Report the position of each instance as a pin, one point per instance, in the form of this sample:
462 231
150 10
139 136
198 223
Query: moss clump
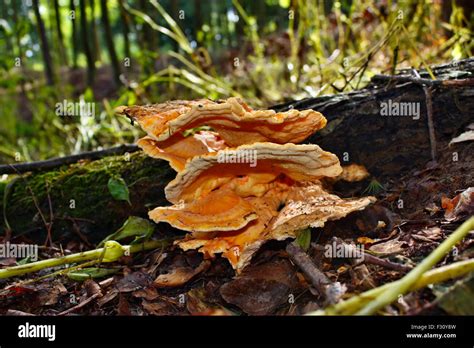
80 198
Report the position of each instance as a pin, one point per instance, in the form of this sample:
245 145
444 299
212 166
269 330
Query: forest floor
412 215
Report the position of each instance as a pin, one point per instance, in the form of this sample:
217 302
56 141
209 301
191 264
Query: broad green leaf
304 239
135 226
118 189
458 299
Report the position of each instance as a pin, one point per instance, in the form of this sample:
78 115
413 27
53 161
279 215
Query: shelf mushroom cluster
241 179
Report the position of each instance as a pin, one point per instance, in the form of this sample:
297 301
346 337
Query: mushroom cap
205 173
304 206
234 120
178 149
221 210
312 206
353 172
239 246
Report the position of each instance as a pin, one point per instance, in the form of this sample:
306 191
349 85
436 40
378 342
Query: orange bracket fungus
246 181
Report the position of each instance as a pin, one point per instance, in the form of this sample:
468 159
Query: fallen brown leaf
133 281
261 289
180 275
462 204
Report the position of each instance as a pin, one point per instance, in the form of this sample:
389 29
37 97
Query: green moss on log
80 198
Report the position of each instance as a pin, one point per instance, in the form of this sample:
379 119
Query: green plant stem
111 252
418 277
434 276
404 284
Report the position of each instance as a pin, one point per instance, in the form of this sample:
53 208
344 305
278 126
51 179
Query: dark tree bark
17 31
261 14
94 35
48 65
147 43
86 45
390 147
125 29
197 19
59 32
74 36
239 27
6 38
109 41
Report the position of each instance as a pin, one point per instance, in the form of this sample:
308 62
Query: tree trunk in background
147 41
94 35
74 37
261 14
110 41
390 147
197 19
125 30
6 37
86 45
239 26
295 8
48 65
17 31
62 49
174 11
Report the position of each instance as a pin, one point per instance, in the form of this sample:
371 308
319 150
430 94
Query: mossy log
77 200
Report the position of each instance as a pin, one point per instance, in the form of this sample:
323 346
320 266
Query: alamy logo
405 109
19 251
81 108
342 251
37 331
238 156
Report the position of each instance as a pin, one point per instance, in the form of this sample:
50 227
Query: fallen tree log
391 145
75 199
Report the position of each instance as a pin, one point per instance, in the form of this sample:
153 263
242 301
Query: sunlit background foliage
266 51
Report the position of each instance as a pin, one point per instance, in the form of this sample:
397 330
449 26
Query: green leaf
90 273
118 189
135 226
304 239
24 261
458 299
284 3
374 188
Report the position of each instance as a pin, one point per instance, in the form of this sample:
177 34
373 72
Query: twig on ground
363 257
49 225
435 276
403 285
317 278
429 111
82 304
